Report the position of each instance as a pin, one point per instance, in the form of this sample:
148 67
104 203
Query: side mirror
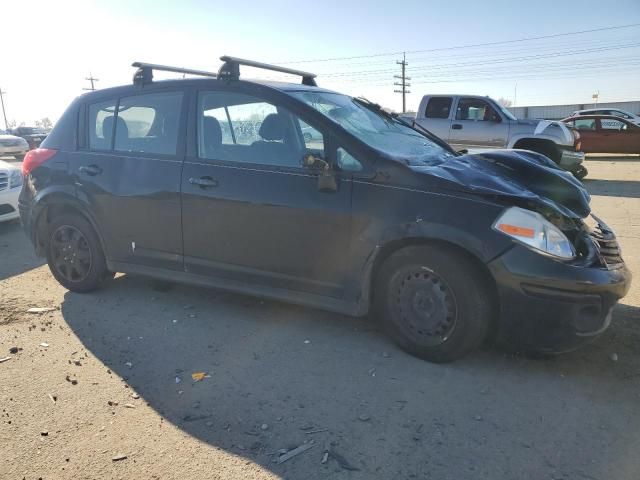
327 178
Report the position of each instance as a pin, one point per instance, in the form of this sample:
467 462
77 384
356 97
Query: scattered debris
192 315
174 320
478 418
14 350
129 364
2 360
264 427
372 372
306 426
119 457
53 398
325 457
310 432
135 396
44 433
73 381
44 344
41 309
364 417
112 403
292 453
129 405
209 423
178 380
307 342
198 376
614 357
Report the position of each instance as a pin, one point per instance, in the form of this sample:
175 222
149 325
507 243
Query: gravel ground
108 374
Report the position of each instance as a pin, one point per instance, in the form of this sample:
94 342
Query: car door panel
476 133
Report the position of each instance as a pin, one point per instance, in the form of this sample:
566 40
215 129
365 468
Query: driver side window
245 129
474 109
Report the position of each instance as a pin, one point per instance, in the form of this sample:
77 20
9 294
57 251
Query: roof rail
230 69
144 74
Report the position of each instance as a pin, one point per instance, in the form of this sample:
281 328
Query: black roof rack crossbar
230 69
144 74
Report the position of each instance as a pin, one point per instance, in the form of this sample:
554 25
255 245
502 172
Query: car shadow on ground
280 375
16 252
613 188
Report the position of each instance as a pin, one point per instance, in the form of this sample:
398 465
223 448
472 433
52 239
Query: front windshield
385 134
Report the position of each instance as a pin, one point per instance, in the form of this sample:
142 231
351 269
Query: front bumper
9 204
570 159
550 306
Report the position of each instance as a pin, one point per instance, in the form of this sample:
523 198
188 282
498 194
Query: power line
502 42
403 82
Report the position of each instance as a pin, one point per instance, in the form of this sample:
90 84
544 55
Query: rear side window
101 131
148 123
585 124
438 107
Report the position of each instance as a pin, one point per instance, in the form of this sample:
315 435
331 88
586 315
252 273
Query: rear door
618 136
477 125
128 174
251 212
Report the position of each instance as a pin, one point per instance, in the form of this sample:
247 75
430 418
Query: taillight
35 158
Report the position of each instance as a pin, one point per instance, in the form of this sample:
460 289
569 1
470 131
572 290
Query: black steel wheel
75 255
70 253
434 302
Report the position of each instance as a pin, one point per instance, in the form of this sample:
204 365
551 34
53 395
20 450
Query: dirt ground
108 374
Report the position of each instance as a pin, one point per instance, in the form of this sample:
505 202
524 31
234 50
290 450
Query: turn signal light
515 230
35 158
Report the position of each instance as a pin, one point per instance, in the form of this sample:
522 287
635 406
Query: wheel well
46 217
394 246
540 145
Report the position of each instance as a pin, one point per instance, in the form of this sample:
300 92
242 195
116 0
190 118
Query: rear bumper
9 204
551 306
570 159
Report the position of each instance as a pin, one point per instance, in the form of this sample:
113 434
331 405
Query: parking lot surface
108 375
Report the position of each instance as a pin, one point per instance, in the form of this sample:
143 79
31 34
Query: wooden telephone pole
403 82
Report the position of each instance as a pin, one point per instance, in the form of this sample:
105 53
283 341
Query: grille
4 180
607 244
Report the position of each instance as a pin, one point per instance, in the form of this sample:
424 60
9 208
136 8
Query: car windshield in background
31 131
506 112
376 129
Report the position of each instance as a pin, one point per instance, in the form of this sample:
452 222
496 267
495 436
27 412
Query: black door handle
203 182
91 170
456 126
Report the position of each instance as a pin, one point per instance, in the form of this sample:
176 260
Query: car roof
129 89
600 109
587 117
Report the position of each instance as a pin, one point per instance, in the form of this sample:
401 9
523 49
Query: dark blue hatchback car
297 193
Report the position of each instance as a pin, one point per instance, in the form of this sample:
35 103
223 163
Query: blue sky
75 38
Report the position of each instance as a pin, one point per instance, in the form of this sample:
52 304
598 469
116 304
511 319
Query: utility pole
595 96
4 113
403 82
91 79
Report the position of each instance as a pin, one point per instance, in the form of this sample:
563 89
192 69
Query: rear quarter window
438 107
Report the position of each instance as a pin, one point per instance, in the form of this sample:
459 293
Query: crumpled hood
519 174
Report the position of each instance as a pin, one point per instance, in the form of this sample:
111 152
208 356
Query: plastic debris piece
119 457
41 309
197 376
325 457
2 360
129 364
296 451
44 344
178 380
53 398
129 405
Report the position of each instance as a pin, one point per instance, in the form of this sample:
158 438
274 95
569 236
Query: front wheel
74 254
433 303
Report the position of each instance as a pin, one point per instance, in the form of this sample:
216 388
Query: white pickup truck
469 122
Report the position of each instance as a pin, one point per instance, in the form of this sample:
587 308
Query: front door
128 175
477 125
251 212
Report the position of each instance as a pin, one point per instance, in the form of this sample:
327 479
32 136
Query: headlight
533 230
15 178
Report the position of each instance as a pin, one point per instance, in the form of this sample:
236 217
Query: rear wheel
75 255
433 303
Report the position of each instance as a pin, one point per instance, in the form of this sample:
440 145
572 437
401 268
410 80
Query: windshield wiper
396 118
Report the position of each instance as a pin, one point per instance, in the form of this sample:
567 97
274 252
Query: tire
433 302
580 172
552 152
74 254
